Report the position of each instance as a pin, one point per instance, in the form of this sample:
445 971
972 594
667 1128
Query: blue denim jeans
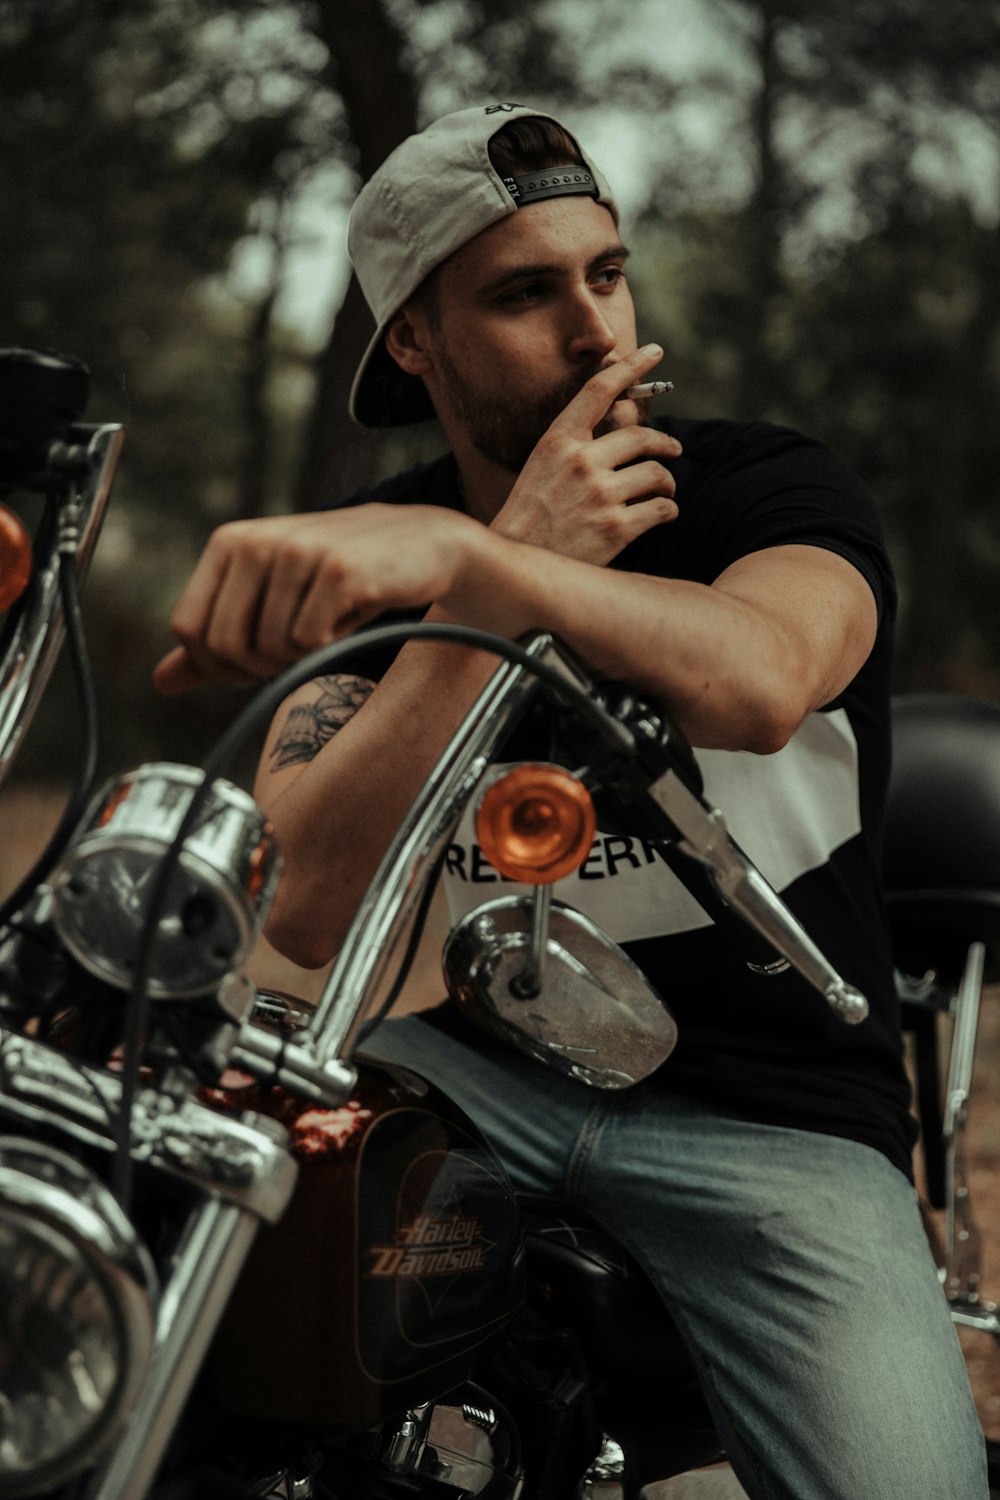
795 1263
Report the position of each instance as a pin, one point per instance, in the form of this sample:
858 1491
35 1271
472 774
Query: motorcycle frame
241 1170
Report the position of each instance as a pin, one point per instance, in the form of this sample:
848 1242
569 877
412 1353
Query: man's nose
590 333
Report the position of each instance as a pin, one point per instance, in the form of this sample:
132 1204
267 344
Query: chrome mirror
547 979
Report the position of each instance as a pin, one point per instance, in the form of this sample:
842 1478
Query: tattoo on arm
310 725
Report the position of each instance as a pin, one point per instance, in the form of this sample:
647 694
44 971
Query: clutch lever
704 837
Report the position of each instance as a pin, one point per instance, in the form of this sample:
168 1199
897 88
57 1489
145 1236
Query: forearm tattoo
310 725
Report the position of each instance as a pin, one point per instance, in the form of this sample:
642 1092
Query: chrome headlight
77 1294
218 896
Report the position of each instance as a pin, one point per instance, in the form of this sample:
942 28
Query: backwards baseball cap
433 194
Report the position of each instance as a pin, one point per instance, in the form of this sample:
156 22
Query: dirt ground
27 818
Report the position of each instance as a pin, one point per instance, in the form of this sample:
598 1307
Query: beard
505 427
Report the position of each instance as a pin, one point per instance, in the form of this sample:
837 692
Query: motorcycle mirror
42 394
595 1015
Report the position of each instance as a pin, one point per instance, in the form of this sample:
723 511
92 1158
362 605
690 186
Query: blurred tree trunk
379 95
950 634
256 460
755 385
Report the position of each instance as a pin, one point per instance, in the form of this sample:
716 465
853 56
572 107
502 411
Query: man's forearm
734 674
335 815
739 663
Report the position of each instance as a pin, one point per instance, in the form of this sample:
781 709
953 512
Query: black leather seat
942 873
942 836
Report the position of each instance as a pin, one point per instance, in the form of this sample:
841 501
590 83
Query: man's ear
406 340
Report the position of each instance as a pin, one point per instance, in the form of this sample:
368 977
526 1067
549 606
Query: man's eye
610 275
527 293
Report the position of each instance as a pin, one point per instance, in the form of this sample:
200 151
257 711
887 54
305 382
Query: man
761 1176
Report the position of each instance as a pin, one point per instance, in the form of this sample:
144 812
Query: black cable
259 711
319 662
83 676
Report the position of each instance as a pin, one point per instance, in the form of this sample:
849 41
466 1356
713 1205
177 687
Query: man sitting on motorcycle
735 572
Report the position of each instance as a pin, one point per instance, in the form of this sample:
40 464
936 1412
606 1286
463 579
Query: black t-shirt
810 816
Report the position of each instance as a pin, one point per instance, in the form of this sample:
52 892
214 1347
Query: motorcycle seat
942 836
941 870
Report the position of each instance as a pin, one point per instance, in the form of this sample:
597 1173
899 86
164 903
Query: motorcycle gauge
218 895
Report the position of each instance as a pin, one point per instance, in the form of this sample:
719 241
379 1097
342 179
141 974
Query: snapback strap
551 182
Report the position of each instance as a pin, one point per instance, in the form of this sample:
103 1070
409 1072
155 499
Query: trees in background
817 231
850 284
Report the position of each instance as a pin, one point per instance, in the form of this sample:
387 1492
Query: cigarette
651 388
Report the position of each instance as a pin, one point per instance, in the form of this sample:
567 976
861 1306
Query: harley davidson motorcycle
238 1257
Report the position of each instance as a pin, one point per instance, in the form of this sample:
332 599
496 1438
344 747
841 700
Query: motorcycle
238 1254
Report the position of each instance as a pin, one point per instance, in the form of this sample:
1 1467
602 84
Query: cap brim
383 395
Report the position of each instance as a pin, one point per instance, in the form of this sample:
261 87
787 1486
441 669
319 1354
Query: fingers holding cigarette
598 395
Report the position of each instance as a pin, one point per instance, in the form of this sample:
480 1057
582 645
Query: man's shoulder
434 483
724 441
754 463
743 487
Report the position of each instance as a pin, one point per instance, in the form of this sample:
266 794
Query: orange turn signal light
15 557
536 823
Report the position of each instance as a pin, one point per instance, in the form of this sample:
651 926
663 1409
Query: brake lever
662 766
704 837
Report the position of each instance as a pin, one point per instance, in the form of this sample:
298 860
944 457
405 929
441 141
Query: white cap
433 194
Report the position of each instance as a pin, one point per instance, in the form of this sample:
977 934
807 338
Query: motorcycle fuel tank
398 1263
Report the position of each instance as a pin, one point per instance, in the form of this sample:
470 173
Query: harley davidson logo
432 1247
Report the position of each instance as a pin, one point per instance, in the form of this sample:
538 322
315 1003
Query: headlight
77 1293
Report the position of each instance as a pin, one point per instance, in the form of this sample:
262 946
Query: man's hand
587 497
267 592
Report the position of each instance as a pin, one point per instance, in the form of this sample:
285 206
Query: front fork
207 1262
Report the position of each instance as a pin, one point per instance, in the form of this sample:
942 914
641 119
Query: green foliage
130 168
851 289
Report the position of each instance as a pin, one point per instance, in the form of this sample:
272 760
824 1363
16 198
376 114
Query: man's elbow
777 717
761 723
769 732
